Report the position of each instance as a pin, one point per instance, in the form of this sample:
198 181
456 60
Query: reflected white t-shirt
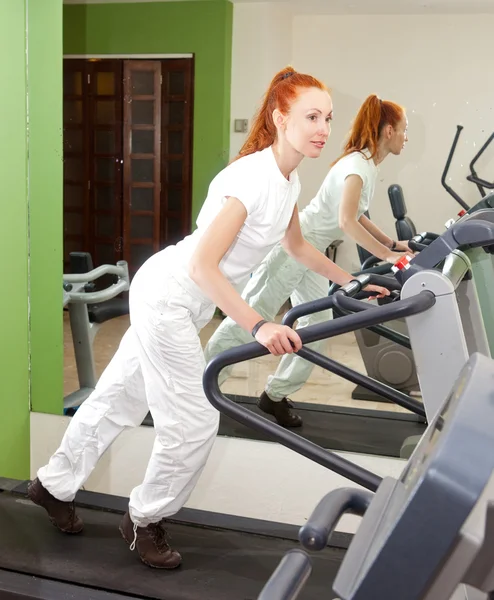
269 199
319 220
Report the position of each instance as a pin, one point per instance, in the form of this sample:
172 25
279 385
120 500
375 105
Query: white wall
262 45
437 66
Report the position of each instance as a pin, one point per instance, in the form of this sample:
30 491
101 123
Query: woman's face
399 136
307 126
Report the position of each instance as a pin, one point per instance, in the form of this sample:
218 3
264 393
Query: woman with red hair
251 206
379 129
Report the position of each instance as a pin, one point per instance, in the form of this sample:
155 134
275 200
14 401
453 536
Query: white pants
278 278
157 367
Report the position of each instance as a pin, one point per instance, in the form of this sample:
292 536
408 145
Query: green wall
30 222
45 203
14 355
203 28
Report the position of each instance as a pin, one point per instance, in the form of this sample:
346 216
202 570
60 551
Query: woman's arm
204 271
349 223
382 237
299 248
375 231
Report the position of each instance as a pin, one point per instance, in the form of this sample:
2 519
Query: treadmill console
414 523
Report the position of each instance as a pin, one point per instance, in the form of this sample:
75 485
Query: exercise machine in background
88 309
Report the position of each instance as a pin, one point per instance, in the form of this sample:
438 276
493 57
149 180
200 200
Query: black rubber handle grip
314 535
289 578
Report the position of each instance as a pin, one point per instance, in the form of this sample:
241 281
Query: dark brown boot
281 411
151 543
62 514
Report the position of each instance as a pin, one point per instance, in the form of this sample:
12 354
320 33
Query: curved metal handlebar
121 269
314 535
289 577
370 262
481 182
96 297
326 458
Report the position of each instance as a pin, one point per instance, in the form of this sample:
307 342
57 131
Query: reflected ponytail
283 90
371 118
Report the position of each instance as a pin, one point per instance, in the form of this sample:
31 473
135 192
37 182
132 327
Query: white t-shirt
320 219
269 199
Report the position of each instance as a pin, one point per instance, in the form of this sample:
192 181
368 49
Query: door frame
130 56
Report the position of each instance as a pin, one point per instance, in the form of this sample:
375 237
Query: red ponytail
373 115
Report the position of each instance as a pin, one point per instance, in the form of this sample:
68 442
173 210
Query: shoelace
287 402
72 513
159 534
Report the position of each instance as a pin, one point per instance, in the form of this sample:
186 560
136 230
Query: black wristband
257 326
393 245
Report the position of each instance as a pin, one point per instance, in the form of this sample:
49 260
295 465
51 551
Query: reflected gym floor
248 378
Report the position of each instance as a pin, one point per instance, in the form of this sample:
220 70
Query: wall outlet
240 125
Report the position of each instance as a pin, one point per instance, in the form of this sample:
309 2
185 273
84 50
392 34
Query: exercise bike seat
405 227
99 313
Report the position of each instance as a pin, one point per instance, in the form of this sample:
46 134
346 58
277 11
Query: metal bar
289 578
375 386
102 296
119 269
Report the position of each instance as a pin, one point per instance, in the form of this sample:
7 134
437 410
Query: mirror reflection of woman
379 130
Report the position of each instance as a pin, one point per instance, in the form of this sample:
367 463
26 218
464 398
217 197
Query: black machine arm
474 178
314 535
448 188
310 334
289 578
287 581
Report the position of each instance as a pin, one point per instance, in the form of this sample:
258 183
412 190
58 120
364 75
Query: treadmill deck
217 564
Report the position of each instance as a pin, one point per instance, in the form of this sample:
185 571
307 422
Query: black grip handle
425 237
388 282
289 578
314 535
307 308
416 246
370 262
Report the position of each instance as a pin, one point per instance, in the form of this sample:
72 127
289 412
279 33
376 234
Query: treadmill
428 535
225 557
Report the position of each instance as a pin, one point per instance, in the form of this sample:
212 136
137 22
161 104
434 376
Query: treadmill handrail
289 578
472 230
389 312
382 330
326 458
314 535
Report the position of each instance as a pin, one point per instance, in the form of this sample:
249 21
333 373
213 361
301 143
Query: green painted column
31 340
14 348
45 89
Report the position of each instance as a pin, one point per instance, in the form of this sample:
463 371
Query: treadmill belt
366 431
217 564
